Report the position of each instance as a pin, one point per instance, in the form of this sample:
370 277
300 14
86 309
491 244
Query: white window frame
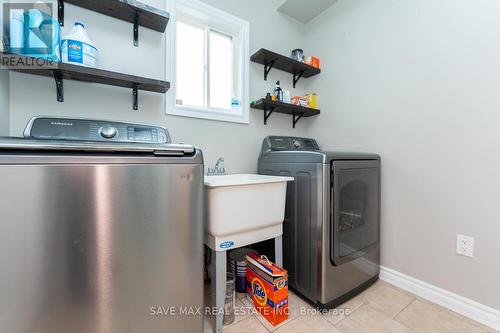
222 22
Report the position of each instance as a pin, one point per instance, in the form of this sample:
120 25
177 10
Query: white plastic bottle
78 49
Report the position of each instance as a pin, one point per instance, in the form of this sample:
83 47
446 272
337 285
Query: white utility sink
243 209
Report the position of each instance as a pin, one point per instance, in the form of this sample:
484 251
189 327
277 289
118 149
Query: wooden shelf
62 71
272 59
132 11
296 111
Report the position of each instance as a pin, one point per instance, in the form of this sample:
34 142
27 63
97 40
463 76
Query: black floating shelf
132 11
272 59
62 71
296 111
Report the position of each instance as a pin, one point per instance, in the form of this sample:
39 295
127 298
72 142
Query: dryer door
355 209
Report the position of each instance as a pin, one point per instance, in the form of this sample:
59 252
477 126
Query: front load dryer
331 237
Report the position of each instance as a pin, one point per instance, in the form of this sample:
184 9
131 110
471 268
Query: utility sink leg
218 287
278 250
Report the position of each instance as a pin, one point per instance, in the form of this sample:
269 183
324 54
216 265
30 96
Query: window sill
209 114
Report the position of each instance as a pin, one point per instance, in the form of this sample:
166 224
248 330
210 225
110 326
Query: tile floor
382 308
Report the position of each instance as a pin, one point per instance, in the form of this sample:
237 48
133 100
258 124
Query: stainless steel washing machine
331 238
101 229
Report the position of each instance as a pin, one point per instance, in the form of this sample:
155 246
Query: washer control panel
48 128
291 143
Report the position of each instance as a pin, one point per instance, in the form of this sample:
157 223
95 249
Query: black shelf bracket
60 12
59 87
267 113
60 15
296 119
136 29
135 97
296 77
267 68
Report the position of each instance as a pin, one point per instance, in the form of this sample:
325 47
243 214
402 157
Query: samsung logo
60 123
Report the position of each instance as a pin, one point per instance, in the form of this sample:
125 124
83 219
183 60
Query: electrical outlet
465 245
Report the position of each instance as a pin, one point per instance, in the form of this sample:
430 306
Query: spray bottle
278 92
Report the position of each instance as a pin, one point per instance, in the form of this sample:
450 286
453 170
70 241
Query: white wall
239 144
4 102
418 82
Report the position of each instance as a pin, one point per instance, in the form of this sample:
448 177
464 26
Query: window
190 65
209 63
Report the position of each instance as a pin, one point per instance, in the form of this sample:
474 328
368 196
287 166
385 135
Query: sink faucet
219 169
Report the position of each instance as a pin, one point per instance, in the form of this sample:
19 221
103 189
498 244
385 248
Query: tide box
269 293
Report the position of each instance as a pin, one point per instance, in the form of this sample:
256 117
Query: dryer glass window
355 211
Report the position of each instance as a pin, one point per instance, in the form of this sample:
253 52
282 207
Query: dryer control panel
276 143
49 128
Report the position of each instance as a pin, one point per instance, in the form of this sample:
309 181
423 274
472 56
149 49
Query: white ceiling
304 10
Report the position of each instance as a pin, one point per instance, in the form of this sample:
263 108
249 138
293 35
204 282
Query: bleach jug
78 49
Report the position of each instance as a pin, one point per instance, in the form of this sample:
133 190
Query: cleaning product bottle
278 92
78 49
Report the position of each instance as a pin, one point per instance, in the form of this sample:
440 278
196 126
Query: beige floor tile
490 330
241 312
386 299
370 312
427 317
473 322
368 320
304 324
296 307
382 282
248 325
343 311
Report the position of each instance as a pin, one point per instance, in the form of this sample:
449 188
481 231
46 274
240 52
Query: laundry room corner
403 85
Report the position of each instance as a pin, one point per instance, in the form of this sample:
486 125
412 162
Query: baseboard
484 314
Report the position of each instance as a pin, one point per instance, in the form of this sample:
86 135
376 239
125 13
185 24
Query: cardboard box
313 61
269 293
